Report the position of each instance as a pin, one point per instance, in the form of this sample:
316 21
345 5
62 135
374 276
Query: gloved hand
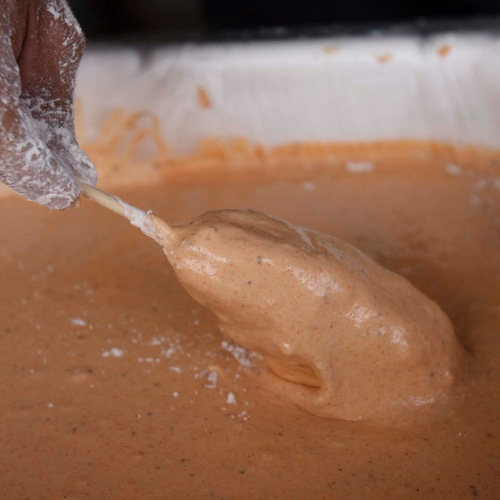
40 48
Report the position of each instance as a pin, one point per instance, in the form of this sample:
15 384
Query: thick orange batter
114 383
352 340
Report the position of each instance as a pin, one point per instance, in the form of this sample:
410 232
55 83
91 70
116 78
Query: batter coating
350 339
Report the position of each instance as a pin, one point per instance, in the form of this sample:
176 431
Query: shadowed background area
198 19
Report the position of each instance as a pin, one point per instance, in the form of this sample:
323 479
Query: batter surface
115 383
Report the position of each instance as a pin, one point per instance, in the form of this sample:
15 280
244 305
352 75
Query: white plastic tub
445 87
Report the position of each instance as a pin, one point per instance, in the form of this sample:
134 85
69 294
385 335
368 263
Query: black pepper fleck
473 490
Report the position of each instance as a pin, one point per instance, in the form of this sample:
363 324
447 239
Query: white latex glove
40 48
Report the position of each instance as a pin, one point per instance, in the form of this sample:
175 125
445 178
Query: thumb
48 63
27 165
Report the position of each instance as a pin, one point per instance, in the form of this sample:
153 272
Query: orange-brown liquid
114 383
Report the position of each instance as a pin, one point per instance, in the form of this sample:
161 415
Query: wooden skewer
107 200
148 223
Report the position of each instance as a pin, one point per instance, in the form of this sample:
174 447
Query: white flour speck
77 321
212 380
148 360
359 166
243 416
230 400
308 186
113 352
169 352
157 341
239 353
480 184
453 169
55 14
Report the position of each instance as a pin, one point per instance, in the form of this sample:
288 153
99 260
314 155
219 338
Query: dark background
205 19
